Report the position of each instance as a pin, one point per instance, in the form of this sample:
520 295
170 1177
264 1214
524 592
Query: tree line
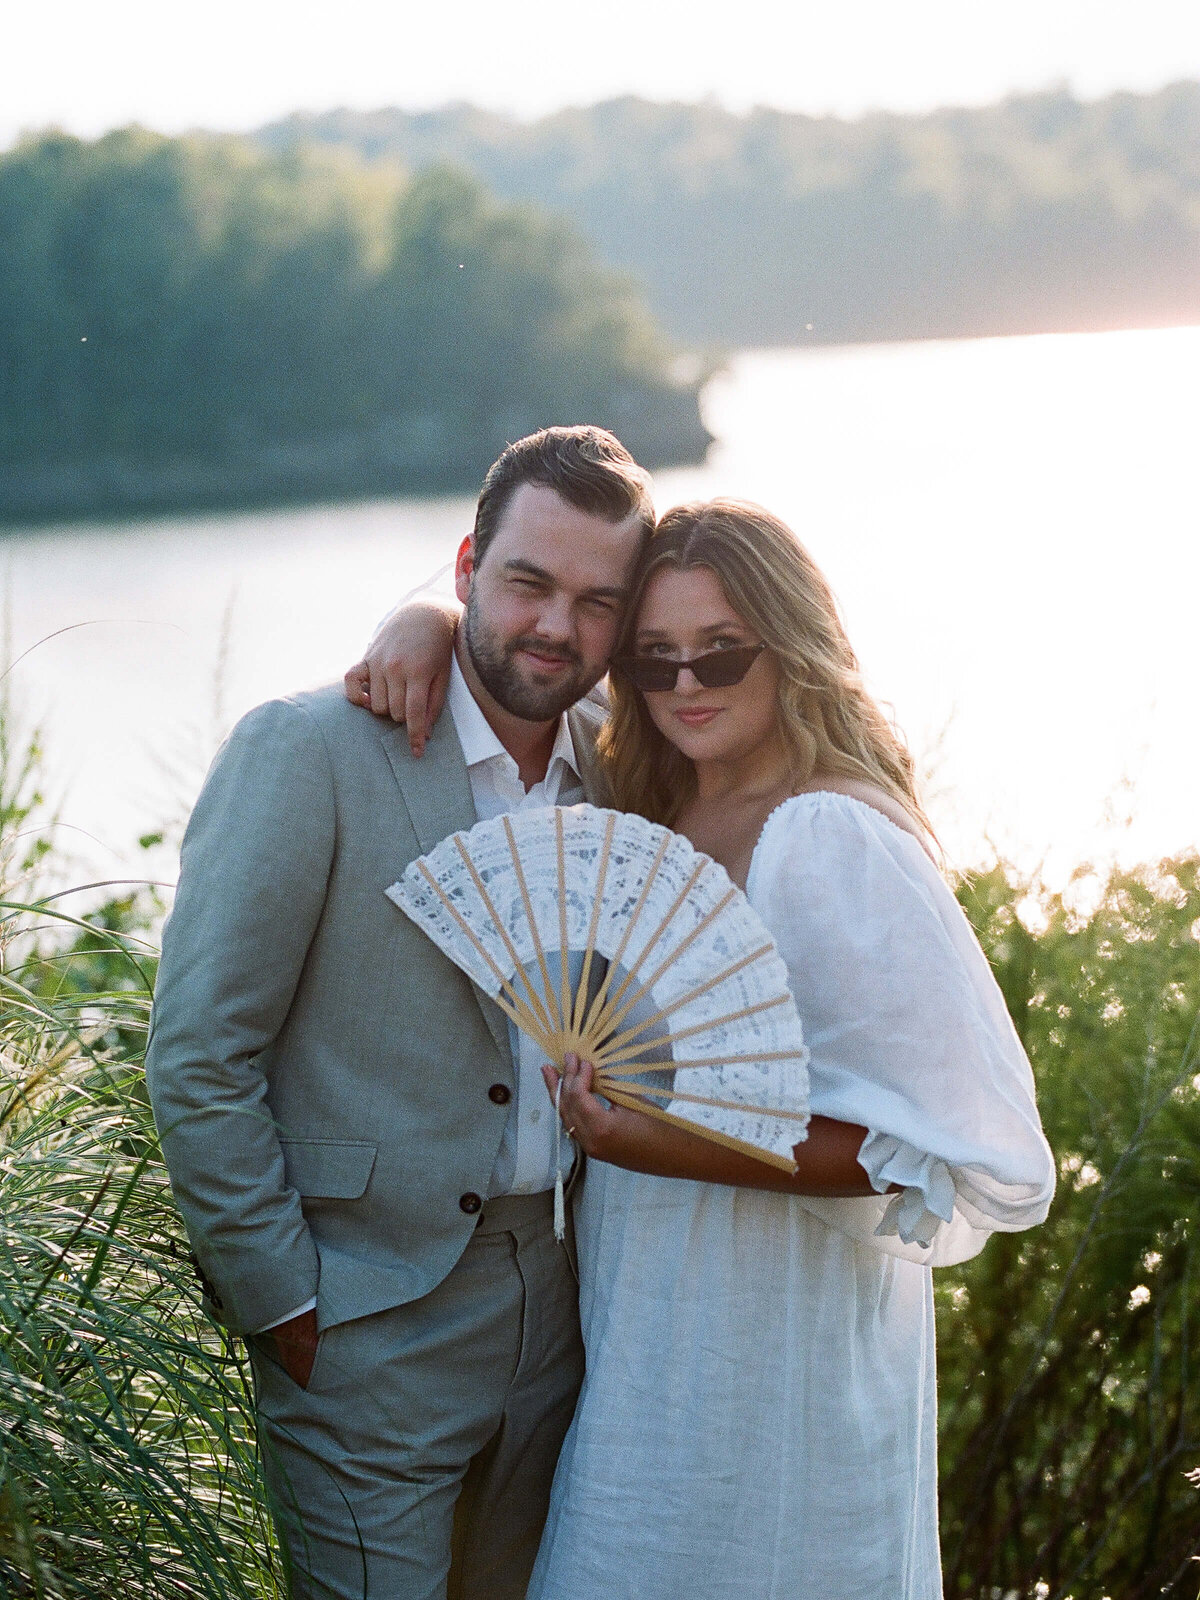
197 321
1042 213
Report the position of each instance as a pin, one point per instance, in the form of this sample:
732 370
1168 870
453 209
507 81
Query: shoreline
400 457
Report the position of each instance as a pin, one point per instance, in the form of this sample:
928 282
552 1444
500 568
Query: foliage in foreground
126 1455
1070 1400
1070 1411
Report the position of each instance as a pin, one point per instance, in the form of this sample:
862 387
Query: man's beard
494 662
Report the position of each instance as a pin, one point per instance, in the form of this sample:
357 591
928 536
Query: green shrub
1070 1408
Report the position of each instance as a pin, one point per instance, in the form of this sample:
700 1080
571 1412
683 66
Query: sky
234 64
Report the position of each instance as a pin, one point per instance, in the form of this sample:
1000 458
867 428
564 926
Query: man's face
544 605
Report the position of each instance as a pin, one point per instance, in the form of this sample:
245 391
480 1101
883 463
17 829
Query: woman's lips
698 716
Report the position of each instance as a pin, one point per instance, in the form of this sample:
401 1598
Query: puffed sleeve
908 1032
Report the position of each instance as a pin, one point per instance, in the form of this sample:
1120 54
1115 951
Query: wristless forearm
827 1161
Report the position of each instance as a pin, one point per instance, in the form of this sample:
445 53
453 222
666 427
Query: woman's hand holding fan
595 1125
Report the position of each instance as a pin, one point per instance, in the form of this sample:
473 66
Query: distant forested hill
1041 213
197 322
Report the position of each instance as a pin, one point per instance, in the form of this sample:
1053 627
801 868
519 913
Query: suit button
499 1094
470 1203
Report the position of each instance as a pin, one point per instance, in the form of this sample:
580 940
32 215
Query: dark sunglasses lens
648 673
721 668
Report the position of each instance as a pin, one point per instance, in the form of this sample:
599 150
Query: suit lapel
436 789
437 793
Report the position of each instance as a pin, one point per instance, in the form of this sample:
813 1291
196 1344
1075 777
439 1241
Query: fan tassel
560 1198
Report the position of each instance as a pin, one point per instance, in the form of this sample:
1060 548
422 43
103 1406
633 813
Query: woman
758 1416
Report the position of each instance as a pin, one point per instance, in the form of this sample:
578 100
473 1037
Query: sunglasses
718 669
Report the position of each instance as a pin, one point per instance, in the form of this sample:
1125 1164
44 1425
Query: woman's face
686 614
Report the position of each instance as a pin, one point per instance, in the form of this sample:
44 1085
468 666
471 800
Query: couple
363 1149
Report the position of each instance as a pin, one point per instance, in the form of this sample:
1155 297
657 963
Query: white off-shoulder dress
758 1420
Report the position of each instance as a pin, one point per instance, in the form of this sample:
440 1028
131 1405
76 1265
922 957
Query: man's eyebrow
601 591
517 565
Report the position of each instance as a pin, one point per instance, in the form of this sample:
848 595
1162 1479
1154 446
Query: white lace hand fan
600 933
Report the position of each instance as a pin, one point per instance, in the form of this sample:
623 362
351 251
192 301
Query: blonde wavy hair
829 722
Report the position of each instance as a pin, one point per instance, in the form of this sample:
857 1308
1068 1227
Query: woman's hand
406 670
599 1129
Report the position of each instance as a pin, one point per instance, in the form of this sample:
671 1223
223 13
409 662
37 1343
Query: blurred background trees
360 303
1042 213
195 321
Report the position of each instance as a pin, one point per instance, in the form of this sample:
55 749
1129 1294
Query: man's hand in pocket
296 1341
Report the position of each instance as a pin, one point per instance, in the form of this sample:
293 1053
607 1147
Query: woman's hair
828 721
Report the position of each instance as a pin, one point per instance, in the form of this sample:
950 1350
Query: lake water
1011 526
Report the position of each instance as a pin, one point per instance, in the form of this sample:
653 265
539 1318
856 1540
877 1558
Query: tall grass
126 1457
1069 1388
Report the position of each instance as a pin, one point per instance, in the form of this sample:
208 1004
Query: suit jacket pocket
328 1169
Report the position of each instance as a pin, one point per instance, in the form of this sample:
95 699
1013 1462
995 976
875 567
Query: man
361 1152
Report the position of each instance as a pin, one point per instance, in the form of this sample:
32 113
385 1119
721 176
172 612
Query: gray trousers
430 1431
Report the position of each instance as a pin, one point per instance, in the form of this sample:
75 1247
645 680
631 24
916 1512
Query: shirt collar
479 740
475 732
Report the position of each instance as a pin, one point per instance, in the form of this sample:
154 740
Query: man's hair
589 467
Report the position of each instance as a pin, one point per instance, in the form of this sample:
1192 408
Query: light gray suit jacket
319 1070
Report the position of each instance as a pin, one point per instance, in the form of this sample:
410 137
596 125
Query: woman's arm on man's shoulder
405 671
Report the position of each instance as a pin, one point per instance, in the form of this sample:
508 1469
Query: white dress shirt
525 1161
